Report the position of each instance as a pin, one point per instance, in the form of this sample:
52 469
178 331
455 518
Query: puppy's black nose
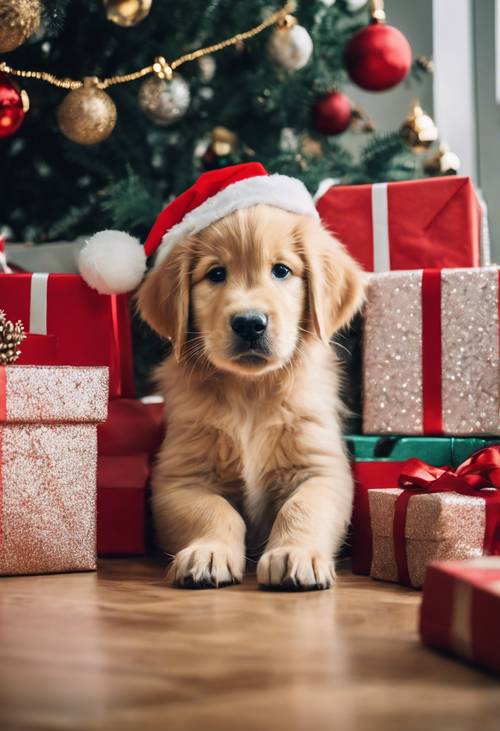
249 325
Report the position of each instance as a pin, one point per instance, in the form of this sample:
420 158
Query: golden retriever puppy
253 431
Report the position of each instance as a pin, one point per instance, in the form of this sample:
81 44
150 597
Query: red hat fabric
207 185
111 261
218 193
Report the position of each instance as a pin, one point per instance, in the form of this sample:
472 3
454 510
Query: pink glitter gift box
439 514
431 347
48 449
439 527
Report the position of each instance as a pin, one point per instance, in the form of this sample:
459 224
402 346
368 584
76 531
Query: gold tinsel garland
160 66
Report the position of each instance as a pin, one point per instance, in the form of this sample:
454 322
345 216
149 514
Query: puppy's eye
280 271
217 274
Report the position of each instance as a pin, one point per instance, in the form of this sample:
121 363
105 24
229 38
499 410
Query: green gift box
437 451
434 450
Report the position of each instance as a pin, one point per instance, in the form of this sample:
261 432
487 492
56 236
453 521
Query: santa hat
113 262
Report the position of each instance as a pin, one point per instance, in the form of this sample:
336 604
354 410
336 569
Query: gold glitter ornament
418 130
87 115
11 336
443 162
164 100
127 13
19 19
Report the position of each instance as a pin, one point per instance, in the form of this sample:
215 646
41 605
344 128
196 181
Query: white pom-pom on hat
112 262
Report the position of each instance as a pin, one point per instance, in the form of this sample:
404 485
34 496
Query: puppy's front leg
308 530
205 531
193 520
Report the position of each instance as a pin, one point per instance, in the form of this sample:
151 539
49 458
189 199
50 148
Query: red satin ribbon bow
472 478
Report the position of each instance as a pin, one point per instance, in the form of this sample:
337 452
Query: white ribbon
380 225
38 304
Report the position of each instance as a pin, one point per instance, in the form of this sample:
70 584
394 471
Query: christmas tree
271 98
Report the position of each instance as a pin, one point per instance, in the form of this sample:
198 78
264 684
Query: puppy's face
246 291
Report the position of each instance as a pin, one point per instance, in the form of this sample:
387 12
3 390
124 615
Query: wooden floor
122 650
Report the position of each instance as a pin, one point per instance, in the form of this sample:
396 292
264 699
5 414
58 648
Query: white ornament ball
112 262
164 102
291 47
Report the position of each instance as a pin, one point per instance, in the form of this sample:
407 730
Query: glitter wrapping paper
439 526
395 400
48 447
410 224
460 610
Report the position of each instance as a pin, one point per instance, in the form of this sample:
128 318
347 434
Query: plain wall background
487 115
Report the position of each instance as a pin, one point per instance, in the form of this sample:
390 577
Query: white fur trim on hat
112 262
280 191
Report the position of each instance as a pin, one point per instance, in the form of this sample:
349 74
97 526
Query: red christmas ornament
378 57
332 113
13 106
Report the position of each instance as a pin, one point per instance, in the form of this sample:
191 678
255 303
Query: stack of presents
426 459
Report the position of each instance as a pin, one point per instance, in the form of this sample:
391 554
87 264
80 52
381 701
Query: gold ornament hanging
224 141
127 13
87 115
19 19
164 98
442 162
11 336
418 130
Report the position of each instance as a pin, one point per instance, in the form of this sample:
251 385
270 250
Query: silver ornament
164 102
291 47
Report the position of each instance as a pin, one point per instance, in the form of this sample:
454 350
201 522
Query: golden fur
252 445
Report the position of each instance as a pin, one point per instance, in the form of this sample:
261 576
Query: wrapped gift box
378 462
439 527
431 353
121 503
461 608
439 514
68 323
128 442
415 224
132 427
48 451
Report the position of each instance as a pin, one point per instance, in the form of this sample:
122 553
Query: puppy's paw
205 566
295 569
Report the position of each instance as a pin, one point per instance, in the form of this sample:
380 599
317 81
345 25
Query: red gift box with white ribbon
461 609
413 224
68 323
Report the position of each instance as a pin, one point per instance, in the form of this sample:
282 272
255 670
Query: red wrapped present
368 475
415 224
68 323
437 514
48 453
121 502
431 352
461 609
132 427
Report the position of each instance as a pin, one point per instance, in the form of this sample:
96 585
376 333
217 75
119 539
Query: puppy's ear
336 283
163 298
